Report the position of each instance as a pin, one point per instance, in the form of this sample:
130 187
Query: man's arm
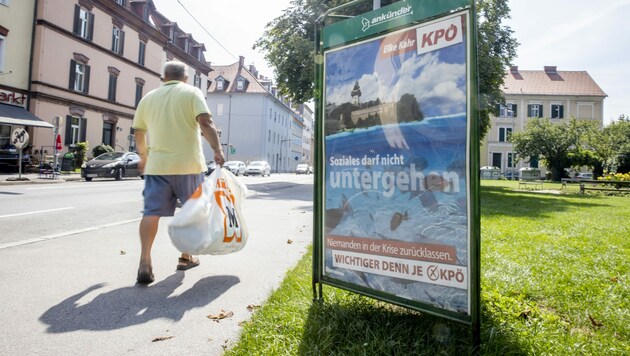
209 131
141 147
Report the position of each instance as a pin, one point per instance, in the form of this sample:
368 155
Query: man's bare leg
148 230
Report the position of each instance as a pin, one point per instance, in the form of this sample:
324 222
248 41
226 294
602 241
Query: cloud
438 86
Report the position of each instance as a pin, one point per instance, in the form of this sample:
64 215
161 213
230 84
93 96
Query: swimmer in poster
396 150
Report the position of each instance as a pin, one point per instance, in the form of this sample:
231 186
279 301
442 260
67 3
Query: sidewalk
76 292
35 178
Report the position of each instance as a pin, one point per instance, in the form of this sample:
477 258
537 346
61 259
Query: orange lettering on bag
197 193
226 201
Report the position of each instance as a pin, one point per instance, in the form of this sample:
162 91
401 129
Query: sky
576 35
436 79
235 24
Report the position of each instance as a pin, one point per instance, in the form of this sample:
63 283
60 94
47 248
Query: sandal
146 276
185 264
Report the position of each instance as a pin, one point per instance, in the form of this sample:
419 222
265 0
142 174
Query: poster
396 197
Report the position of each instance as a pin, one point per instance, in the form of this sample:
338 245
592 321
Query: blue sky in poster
437 79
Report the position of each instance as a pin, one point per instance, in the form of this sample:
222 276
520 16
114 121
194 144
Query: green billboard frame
350 30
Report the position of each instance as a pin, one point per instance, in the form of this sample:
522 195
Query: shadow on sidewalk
134 305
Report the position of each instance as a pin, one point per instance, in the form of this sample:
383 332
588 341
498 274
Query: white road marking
85 185
35 212
65 233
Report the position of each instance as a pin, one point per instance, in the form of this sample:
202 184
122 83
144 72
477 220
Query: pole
20 165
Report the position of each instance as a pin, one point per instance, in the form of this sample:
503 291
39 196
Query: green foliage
553 280
288 45
80 153
558 145
496 50
409 109
611 146
100 149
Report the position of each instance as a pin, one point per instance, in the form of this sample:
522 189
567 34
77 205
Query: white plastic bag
210 222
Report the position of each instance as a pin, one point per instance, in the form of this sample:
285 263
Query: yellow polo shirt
168 114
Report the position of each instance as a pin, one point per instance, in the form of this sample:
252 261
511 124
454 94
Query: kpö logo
227 202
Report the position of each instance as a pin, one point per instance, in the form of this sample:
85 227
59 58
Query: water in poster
396 206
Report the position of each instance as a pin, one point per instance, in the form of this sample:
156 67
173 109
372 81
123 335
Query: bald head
174 70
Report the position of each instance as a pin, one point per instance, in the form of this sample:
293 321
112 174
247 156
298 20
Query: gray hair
175 70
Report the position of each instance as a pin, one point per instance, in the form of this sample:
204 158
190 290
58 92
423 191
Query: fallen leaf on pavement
289 241
123 252
162 338
222 315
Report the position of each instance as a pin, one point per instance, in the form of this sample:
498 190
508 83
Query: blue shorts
162 191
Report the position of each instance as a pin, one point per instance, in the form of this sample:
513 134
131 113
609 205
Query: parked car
112 165
211 167
303 169
236 167
258 167
581 176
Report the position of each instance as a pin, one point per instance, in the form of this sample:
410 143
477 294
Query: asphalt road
69 256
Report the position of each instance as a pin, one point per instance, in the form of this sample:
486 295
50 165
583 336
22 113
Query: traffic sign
19 138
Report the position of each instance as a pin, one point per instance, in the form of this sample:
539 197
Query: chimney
241 61
514 69
551 69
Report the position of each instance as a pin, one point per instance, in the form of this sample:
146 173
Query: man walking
173 161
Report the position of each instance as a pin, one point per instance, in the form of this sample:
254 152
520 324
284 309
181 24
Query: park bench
526 183
604 185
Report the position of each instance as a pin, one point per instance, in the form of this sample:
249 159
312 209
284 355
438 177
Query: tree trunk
556 174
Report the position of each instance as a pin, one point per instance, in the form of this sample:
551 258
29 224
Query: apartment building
93 60
16 33
254 121
549 93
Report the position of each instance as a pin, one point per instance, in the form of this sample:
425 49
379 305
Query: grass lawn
555 281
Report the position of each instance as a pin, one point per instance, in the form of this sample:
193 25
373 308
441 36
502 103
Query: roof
231 73
550 82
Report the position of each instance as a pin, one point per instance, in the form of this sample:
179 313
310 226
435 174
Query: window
120 2
83 22
197 80
141 52
75 130
557 111
139 88
113 81
240 84
79 76
504 134
507 110
219 84
533 161
510 160
534 110
108 133
118 40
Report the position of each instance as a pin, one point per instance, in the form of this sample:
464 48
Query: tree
408 109
558 145
611 146
288 45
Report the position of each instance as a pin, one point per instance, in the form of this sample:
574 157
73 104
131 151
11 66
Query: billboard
396 198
